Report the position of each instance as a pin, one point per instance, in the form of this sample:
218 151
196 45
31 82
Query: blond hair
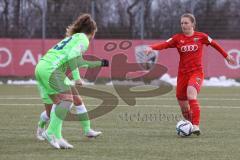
191 17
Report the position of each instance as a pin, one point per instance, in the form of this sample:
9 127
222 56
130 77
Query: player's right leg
48 103
185 109
53 133
181 94
42 135
45 115
43 120
53 85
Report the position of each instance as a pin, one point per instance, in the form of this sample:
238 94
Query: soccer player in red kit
189 44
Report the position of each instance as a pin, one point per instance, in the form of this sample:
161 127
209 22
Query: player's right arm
170 43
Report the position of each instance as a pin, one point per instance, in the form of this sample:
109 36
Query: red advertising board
18 57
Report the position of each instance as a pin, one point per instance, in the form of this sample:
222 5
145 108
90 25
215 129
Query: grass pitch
142 132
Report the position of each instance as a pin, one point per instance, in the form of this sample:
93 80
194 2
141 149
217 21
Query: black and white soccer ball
184 128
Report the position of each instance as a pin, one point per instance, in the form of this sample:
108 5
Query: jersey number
62 44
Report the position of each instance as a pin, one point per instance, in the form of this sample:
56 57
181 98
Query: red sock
194 111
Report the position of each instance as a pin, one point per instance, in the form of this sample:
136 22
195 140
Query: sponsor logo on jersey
189 48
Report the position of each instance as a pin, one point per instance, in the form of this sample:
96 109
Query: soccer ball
184 128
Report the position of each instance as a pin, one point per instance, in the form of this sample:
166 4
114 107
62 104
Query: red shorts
194 79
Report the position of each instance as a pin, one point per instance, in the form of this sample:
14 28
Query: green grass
129 131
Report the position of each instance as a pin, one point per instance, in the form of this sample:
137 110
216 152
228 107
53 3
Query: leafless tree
119 18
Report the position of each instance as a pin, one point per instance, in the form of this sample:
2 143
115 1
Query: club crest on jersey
195 39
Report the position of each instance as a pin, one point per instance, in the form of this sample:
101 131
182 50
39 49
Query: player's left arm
75 58
76 61
79 62
209 41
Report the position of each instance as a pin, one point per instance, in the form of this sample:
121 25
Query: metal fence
125 19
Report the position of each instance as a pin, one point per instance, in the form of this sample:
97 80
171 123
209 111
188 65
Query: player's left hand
105 63
230 59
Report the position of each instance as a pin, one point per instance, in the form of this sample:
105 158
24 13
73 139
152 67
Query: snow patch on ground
213 81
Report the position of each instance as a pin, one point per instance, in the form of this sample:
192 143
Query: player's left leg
194 109
84 119
193 89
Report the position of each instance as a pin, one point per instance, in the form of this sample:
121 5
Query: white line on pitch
138 99
123 105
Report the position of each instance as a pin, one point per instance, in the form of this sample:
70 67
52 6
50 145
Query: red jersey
190 49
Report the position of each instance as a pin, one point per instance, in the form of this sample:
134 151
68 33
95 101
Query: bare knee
191 92
58 98
77 100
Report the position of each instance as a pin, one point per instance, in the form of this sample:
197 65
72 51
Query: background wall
29 27
20 56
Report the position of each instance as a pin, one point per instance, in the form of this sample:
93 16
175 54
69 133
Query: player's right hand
148 50
105 63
